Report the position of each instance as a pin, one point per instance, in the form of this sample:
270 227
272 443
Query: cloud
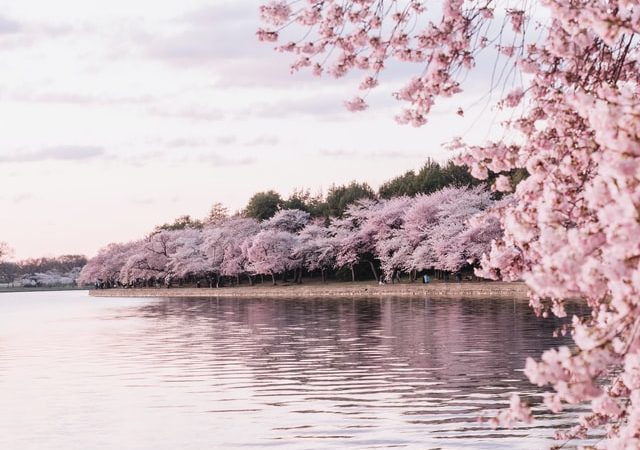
208 35
18 198
222 37
392 154
322 104
59 153
141 159
183 142
337 153
226 140
147 201
190 113
395 154
219 160
78 98
8 26
263 140
180 158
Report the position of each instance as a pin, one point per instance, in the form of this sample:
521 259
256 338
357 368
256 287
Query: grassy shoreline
361 289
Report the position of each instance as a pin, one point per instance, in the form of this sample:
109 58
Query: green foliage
430 178
339 197
303 200
517 175
264 205
402 185
297 200
181 223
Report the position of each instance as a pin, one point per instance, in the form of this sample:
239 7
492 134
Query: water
84 373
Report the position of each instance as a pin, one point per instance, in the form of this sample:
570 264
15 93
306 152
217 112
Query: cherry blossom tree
291 220
316 248
419 227
189 257
393 233
50 278
573 230
450 236
353 246
152 258
271 252
391 251
475 241
215 241
106 266
238 232
381 232
346 246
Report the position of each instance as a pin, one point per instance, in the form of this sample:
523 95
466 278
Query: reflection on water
81 373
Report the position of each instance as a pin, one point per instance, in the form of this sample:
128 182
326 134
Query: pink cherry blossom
356 104
571 227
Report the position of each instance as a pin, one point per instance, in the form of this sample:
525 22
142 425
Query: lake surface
189 374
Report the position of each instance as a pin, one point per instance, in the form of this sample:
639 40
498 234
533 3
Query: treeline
431 177
388 237
55 271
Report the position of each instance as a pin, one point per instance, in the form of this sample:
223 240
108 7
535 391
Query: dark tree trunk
273 278
250 280
324 280
353 274
373 269
238 280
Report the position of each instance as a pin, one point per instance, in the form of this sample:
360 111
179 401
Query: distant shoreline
42 289
344 289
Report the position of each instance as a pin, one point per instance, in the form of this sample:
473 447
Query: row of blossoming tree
573 229
40 272
402 234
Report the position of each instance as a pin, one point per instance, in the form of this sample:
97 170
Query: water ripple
207 373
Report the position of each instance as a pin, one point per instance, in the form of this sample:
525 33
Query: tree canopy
263 205
340 197
181 223
430 178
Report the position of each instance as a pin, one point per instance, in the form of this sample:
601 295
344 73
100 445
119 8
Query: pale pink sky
120 115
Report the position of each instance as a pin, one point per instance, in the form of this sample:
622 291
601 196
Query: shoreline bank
469 289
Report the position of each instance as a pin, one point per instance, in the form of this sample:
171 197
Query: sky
117 116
